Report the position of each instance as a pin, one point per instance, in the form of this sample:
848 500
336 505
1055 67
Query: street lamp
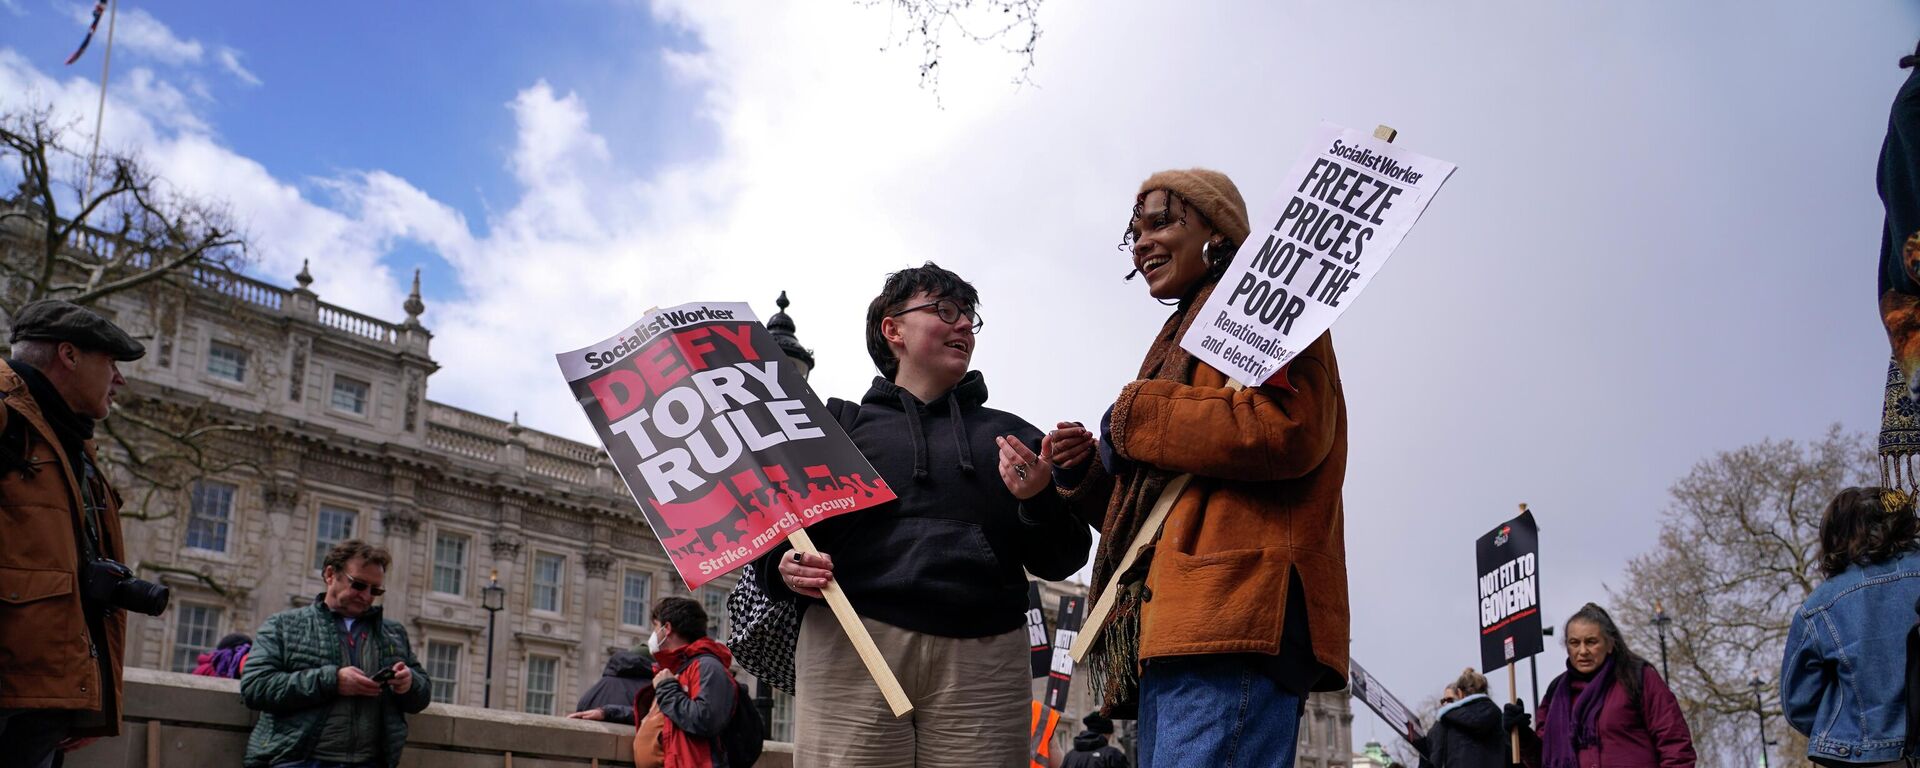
1760 710
1660 622
493 597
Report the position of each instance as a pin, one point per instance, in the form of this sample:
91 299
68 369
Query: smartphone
383 675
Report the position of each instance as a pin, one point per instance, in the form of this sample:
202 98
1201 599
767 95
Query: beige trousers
971 699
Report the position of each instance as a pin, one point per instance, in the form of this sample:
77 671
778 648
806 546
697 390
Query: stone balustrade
182 721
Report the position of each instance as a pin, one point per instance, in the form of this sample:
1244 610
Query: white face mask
653 642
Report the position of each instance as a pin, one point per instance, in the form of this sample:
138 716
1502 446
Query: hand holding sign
806 574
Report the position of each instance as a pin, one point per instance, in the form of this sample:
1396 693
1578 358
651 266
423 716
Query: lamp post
493 597
1759 709
1660 622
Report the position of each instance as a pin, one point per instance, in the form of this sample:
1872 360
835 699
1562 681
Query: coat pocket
1219 602
40 623
19 586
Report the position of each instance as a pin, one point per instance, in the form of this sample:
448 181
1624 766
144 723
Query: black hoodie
1467 735
627 682
947 558
1090 750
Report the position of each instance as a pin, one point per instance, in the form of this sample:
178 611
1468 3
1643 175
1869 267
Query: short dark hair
685 615
900 286
351 549
1866 525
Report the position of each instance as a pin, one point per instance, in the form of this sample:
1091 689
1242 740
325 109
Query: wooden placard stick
1150 529
1513 695
857 632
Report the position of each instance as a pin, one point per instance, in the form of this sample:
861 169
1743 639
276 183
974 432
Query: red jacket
1651 734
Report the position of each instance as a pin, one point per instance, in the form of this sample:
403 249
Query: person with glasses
940 575
1238 610
335 680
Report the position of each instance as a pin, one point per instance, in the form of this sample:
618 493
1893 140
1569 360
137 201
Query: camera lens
142 596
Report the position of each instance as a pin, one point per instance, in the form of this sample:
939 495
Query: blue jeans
1215 712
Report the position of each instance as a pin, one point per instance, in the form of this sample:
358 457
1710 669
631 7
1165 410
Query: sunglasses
361 586
948 310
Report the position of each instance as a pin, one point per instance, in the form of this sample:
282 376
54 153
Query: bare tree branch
1735 558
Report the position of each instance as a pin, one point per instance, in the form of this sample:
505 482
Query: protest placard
724 446
1507 560
1037 632
1341 211
1375 695
717 436
1048 711
1508 592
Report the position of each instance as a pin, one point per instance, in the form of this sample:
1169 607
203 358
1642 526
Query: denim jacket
1844 672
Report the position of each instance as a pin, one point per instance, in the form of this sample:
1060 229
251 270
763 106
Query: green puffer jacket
292 677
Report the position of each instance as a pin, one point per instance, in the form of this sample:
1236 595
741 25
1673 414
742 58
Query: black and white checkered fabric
765 631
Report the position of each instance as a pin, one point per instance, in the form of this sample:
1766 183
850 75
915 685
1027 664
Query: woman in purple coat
1609 709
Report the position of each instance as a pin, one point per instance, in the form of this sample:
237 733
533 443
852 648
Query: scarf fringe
1113 668
1901 472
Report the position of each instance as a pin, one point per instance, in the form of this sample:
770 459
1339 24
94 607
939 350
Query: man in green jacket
334 681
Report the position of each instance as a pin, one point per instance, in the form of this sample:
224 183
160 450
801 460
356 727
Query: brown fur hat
1211 192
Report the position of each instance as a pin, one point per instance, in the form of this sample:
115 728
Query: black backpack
745 736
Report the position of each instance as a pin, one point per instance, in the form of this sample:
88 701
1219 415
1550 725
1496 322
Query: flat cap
56 320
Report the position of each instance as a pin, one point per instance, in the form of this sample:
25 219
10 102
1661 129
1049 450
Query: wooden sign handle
857 632
1513 695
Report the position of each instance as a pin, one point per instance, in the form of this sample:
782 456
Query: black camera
110 583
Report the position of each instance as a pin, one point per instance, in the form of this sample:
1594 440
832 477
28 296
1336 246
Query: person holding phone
334 681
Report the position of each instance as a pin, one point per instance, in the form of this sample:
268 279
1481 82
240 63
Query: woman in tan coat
1239 608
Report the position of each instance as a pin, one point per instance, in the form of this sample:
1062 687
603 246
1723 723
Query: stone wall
181 721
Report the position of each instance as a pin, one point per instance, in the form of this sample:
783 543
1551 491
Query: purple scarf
226 661
1574 722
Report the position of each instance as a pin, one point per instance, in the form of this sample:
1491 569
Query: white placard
1342 210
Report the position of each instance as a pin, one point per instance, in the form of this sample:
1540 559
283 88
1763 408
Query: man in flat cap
62 635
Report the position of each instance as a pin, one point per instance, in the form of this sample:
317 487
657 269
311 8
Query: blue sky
416 89
1660 242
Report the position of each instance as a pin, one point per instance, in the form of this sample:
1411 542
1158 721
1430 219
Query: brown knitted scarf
1114 662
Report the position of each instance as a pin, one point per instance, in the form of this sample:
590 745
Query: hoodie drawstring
960 435
912 408
916 432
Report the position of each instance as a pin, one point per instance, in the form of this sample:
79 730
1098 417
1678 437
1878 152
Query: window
226 361
443 668
334 525
195 629
541 672
636 596
211 515
782 716
715 601
548 575
350 395
450 564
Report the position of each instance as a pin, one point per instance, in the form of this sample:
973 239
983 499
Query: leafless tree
1011 24
87 231
1738 553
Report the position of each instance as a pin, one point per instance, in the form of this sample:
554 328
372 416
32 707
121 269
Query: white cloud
149 116
137 32
230 61
13 7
